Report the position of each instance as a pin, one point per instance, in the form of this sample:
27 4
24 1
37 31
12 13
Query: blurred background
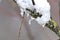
10 21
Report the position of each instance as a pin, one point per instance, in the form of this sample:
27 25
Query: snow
41 6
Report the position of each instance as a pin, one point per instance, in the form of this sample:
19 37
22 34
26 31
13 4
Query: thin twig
20 27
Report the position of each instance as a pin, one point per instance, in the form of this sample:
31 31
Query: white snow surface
41 6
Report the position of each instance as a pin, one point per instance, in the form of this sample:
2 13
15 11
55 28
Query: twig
20 27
